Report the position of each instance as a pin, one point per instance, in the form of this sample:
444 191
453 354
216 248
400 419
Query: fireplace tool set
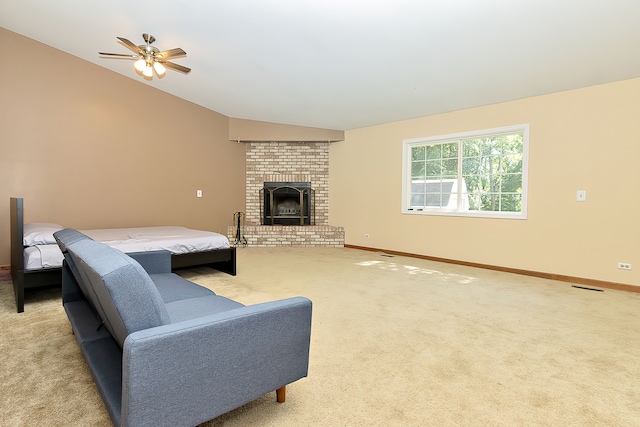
238 221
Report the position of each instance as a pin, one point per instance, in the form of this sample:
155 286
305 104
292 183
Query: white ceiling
344 64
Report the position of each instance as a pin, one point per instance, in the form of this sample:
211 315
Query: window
482 174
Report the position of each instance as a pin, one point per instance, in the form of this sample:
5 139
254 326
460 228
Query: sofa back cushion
68 237
65 238
122 292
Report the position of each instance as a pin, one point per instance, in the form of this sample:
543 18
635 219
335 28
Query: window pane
470 148
433 200
494 162
417 170
489 147
511 183
417 193
433 190
512 144
511 202
418 153
512 163
475 201
477 182
489 202
449 194
450 168
441 194
433 168
433 186
417 187
434 151
417 200
470 165
450 150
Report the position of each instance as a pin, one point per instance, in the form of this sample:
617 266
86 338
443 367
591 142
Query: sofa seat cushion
193 308
173 287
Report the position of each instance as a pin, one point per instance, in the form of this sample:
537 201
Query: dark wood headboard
23 279
17 233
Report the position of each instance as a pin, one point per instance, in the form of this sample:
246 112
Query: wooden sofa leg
281 394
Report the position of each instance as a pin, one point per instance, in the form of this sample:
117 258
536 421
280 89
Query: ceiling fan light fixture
148 71
149 58
140 65
160 70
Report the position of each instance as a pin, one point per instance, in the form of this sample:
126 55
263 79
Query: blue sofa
164 351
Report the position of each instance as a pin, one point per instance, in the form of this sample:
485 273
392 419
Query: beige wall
587 139
253 130
89 148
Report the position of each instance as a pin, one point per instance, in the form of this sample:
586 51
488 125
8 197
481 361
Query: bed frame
220 259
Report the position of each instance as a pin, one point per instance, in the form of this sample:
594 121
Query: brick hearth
288 162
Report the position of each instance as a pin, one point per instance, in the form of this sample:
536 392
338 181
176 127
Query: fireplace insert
287 203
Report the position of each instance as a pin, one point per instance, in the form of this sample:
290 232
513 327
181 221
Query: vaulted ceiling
345 64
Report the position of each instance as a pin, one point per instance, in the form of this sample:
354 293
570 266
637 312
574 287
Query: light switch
581 196
198 193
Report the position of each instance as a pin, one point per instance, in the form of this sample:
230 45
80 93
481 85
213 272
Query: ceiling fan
150 58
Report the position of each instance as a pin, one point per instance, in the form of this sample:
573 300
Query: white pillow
40 233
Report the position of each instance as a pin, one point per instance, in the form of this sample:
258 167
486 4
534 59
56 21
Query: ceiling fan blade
130 45
175 67
123 55
172 53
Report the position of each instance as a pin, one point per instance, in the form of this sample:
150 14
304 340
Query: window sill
468 214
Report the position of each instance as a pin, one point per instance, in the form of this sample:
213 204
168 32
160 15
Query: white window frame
407 144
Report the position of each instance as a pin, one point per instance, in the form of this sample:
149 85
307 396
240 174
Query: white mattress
42 256
177 240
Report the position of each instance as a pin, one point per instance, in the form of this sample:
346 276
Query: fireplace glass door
287 203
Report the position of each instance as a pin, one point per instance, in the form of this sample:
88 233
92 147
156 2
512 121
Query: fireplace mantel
288 162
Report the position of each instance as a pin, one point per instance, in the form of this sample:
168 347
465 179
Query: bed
36 260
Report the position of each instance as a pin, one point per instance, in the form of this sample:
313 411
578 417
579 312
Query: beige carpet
395 342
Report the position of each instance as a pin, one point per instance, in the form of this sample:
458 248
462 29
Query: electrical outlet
366 235
624 266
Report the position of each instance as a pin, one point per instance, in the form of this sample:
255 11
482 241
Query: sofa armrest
193 371
154 262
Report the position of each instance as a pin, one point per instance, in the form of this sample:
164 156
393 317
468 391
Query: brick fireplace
288 162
